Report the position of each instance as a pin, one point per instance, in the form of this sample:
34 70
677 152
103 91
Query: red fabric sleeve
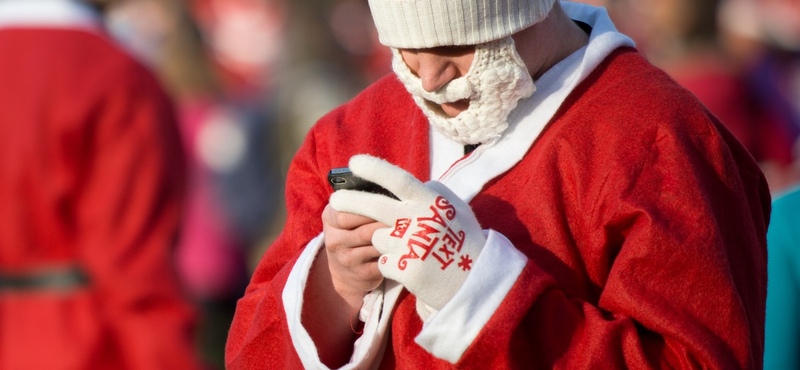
665 264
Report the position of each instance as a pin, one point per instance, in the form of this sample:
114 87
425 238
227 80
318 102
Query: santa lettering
428 231
449 209
453 239
446 261
402 263
436 217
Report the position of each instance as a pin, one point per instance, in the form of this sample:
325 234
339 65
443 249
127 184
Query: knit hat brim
413 24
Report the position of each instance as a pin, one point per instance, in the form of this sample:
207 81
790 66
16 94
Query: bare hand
352 260
338 282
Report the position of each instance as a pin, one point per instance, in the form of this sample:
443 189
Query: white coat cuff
369 347
448 333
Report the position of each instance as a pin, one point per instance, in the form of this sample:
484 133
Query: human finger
342 219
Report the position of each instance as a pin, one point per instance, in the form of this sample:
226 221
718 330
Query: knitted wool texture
495 82
413 24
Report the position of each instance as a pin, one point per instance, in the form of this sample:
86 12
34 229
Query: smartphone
342 178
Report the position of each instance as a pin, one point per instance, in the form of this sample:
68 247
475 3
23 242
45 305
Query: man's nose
435 71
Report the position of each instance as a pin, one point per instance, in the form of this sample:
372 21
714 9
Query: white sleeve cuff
369 347
448 333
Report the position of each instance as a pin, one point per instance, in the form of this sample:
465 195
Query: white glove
433 239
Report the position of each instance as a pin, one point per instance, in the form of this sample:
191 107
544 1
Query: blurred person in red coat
199 52
91 182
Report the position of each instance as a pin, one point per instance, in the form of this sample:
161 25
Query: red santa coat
642 219
90 185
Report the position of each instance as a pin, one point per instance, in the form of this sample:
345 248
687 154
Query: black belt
64 278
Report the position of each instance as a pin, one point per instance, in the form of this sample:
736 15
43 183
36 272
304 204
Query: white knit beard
495 82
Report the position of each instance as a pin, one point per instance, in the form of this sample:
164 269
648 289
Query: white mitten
434 238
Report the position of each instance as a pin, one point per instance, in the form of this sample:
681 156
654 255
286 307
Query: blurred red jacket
91 181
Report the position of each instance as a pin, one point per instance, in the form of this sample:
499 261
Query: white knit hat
413 24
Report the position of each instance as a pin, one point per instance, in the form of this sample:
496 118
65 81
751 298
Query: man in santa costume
91 183
586 213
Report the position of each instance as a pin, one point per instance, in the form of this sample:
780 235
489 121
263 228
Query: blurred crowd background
249 77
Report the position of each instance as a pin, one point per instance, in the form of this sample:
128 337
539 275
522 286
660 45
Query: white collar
526 122
48 14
